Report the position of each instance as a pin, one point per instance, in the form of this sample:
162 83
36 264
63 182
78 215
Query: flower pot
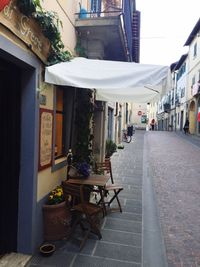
56 221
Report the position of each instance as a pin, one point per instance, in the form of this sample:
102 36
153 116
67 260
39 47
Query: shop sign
46 138
139 113
26 29
144 119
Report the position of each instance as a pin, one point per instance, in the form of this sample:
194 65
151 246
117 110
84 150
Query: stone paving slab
118 252
85 261
124 238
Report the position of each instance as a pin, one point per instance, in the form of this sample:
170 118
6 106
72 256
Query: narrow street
158 227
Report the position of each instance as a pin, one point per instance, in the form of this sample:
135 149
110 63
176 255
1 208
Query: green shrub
111 147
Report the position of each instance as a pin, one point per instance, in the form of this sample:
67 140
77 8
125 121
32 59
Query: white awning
113 80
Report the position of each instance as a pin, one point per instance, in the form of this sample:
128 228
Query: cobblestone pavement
174 162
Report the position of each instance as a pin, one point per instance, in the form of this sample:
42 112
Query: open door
10 96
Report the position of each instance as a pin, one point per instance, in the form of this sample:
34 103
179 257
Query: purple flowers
84 169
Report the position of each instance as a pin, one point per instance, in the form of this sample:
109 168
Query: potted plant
111 147
56 216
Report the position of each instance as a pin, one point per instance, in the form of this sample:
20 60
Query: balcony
166 107
107 30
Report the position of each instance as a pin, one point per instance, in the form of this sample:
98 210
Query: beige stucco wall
135 118
48 180
194 65
65 10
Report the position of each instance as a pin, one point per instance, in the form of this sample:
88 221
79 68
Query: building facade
44 121
181 101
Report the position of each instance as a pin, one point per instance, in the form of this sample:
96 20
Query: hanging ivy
50 25
84 137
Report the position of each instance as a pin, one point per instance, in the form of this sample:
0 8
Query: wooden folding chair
86 213
106 168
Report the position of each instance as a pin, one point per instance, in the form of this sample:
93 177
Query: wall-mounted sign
26 29
46 137
144 119
139 113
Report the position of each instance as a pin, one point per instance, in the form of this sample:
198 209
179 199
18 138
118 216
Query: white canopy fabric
113 80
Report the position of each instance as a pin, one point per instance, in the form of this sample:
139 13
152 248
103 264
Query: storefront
21 59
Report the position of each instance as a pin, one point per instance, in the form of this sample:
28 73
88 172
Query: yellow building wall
66 10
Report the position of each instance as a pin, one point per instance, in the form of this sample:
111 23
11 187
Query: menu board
45 142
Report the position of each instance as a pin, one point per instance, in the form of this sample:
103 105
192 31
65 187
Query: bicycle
126 138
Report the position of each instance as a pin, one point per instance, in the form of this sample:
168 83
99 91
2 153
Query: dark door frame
30 67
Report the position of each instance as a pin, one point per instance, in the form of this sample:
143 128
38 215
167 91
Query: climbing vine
83 120
50 25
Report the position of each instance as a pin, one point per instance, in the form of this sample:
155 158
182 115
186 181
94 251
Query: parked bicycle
126 138
128 134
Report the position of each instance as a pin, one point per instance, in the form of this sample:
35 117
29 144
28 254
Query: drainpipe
175 77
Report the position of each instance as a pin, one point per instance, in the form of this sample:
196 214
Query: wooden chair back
82 206
105 168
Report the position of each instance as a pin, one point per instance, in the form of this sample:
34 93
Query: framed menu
45 138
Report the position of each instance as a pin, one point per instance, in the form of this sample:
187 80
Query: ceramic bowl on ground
47 249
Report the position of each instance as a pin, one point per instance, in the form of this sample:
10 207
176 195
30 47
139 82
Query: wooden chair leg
115 196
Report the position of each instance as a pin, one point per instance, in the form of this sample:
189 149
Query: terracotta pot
56 221
3 3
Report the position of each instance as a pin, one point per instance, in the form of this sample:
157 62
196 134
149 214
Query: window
183 92
60 124
193 80
195 50
64 98
96 6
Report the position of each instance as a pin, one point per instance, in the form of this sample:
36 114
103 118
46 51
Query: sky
165 27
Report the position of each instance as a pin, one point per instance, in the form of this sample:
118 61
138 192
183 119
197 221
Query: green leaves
50 25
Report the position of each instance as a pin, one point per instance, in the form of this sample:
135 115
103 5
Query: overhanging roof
193 33
113 80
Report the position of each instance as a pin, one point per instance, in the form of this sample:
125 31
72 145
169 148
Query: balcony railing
100 8
105 9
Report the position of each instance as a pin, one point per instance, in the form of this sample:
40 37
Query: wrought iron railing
105 9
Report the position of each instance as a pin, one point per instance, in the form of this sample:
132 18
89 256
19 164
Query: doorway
192 117
10 110
181 121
